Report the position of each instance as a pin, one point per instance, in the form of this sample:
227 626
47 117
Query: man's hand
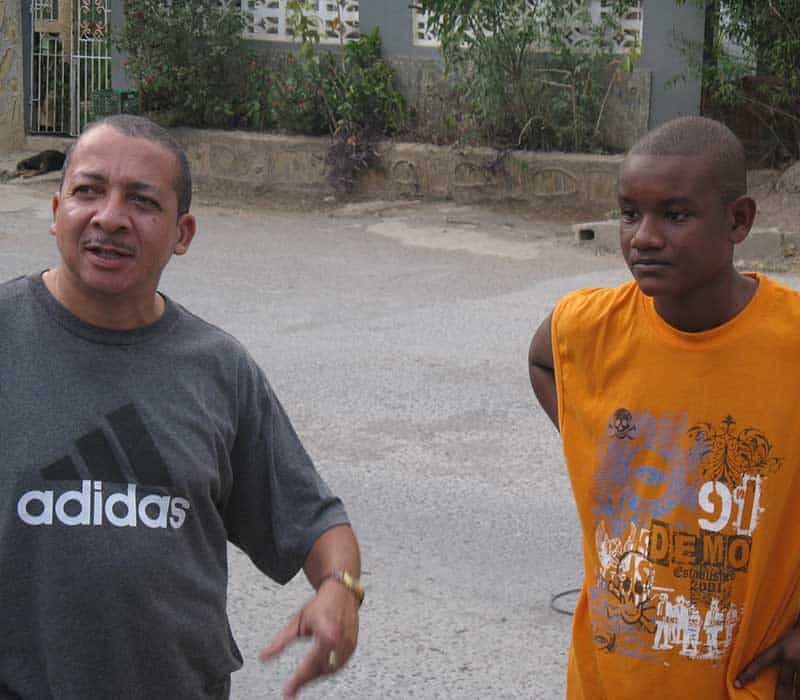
786 653
331 619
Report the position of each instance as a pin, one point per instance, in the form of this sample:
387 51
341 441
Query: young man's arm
540 367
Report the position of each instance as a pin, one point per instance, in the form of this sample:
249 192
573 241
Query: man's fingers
311 667
281 640
768 657
785 688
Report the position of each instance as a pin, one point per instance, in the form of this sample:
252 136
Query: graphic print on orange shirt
676 509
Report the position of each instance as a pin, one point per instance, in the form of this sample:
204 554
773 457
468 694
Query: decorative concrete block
603 235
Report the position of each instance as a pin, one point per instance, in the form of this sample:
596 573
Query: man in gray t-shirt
136 440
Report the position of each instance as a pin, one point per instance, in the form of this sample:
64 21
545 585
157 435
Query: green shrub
350 93
193 68
533 74
187 58
759 82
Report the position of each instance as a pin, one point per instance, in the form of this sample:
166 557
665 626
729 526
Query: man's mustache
108 242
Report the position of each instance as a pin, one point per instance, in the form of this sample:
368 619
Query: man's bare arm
540 367
330 618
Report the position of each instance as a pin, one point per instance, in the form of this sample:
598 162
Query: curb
764 245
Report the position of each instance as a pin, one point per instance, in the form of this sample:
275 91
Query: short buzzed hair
705 138
142 128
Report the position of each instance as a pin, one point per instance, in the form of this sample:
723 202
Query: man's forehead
636 161
100 176
103 139
96 151
681 174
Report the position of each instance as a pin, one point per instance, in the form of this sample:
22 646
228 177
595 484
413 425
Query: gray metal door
70 60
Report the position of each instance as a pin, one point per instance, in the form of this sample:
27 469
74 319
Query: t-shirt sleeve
278 504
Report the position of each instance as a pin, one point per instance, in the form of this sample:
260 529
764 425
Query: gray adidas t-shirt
127 460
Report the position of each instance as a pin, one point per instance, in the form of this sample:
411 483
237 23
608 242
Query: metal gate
70 60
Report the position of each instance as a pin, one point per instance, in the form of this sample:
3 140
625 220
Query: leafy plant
536 73
751 68
183 55
350 94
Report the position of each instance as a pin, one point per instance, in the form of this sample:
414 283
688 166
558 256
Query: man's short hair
708 139
142 128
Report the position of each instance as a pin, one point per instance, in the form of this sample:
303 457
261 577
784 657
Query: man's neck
709 307
102 311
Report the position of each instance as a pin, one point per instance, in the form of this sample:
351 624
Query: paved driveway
398 344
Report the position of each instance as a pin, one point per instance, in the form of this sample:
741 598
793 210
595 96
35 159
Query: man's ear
187 227
54 206
743 213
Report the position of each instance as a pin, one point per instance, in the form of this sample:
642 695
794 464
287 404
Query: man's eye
676 217
145 201
628 215
85 189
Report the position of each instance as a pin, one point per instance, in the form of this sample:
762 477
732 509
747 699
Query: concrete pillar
394 19
672 40
119 79
12 127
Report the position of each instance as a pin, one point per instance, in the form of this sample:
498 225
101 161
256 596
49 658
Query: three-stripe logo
91 505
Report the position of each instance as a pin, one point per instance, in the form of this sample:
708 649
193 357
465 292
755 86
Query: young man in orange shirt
676 398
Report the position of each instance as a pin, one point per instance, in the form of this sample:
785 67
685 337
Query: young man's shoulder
596 302
779 289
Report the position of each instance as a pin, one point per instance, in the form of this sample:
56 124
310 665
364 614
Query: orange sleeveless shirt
683 451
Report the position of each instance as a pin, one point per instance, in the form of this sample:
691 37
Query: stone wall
248 165
12 130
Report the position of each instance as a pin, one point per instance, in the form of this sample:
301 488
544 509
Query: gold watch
349 581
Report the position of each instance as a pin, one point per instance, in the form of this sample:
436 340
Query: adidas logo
91 505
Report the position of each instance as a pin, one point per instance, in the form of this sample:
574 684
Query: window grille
338 20
631 25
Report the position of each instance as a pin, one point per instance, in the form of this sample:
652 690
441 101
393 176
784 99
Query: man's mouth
108 252
649 262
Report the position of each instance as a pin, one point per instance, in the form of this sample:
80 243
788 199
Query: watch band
350 582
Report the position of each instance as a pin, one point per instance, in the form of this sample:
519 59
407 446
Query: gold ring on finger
332 660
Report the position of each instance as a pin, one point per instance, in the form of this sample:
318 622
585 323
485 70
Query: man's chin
652 287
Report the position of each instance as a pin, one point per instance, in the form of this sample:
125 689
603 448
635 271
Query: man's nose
112 212
648 234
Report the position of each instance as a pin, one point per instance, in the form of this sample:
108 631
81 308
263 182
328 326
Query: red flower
149 80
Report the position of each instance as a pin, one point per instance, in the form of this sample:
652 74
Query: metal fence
70 60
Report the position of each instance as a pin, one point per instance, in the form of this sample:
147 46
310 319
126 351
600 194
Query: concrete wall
626 117
667 27
12 128
639 102
397 32
251 165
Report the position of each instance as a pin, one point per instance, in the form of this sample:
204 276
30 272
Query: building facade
54 54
